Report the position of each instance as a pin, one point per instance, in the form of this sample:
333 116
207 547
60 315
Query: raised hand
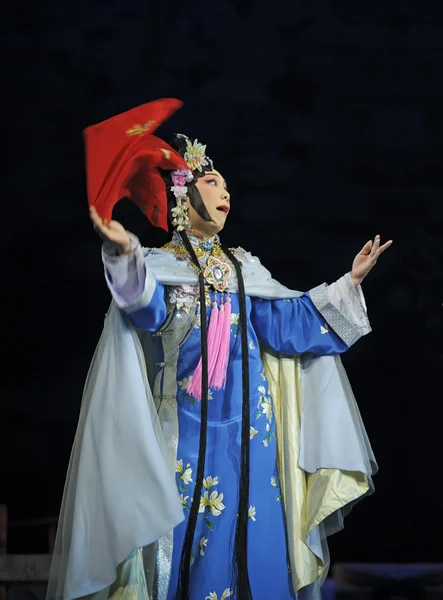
367 258
112 231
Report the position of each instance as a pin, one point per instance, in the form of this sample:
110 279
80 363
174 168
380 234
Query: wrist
126 249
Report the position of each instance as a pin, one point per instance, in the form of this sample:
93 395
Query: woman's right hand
112 231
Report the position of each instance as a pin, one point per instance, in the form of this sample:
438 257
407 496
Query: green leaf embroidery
209 524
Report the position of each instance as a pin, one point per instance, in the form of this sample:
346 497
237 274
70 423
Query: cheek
210 197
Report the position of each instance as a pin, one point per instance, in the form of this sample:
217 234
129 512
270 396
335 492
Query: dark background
326 118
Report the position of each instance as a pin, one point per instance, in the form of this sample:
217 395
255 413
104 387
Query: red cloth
123 157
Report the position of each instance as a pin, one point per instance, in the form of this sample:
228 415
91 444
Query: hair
240 559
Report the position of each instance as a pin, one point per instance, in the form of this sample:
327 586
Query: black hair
240 562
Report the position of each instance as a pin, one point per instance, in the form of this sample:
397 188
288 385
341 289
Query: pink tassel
195 386
218 379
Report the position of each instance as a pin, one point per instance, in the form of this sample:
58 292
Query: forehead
215 172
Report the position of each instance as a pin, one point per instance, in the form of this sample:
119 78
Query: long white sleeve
129 281
349 300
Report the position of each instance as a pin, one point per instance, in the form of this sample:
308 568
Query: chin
216 226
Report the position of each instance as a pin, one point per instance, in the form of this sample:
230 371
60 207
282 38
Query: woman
262 434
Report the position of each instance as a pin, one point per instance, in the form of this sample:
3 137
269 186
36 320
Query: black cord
185 559
241 575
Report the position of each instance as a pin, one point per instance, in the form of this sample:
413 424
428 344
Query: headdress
125 159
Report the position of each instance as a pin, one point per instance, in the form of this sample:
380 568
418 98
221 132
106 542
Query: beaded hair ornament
195 157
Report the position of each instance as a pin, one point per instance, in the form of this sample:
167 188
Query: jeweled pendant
217 273
207 246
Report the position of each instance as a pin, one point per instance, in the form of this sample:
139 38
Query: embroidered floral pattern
213 595
184 383
274 484
269 434
183 297
210 482
265 409
212 502
252 433
184 501
203 543
235 323
184 475
251 513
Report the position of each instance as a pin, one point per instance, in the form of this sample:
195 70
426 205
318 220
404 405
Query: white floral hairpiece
180 190
195 157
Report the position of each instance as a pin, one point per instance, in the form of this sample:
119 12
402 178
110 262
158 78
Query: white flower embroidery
324 329
187 475
179 466
263 375
213 502
184 500
251 345
213 595
252 432
262 390
268 428
274 482
266 442
210 481
203 543
183 384
234 318
252 512
267 408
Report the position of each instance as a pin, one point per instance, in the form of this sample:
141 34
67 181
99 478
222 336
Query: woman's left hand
367 258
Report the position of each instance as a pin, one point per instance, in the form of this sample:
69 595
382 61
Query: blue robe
287 326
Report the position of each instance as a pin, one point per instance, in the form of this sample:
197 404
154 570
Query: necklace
216 271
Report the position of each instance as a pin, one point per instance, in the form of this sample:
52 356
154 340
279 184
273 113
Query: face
215 195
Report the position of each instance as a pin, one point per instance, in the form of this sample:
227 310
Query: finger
97 222
375 245
384 247
366 248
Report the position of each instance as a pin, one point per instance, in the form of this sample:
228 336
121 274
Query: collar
196 240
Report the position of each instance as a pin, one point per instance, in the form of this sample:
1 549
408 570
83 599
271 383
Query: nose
226 195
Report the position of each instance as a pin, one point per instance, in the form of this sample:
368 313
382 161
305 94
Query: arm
133 287
325 321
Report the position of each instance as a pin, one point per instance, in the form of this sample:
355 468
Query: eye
214 181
